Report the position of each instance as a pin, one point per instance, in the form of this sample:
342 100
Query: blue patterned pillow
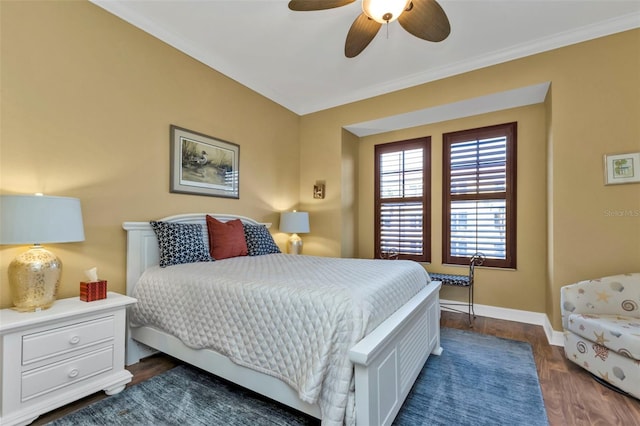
180 243
259 240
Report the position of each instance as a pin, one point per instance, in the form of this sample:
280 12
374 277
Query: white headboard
142 244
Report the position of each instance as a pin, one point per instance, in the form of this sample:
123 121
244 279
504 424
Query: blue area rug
478 380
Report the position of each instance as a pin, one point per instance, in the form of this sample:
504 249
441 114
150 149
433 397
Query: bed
385 350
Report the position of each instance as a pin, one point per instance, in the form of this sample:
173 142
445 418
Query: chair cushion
618 333
451 279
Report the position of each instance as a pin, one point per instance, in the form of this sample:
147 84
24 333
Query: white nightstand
56 356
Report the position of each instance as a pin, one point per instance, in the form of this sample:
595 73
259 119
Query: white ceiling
297 58
521 96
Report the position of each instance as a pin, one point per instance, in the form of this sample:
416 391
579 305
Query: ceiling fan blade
307 5
425 19
362 31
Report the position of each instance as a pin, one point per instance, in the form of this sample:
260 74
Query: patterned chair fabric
601 322
449 279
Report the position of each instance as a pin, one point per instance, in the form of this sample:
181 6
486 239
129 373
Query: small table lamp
34 276
296 223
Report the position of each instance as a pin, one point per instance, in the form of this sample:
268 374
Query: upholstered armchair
601 322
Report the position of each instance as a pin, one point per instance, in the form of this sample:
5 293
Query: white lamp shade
294 222
33 219
376 9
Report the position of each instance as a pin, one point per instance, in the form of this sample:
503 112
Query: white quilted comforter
292 317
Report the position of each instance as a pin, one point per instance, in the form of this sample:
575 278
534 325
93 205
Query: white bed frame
387 361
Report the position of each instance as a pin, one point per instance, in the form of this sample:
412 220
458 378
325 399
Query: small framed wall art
622 168
203 165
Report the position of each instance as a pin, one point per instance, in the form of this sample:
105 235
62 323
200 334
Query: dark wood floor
570 395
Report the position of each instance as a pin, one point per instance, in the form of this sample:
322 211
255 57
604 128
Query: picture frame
203 165
622 168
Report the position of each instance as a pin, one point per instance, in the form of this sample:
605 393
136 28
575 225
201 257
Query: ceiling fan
424 19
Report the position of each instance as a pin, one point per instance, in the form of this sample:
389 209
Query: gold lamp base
34 278
294 244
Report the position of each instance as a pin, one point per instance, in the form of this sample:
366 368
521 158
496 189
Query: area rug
478 380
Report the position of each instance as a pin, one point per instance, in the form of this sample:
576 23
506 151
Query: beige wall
567 231
516 289
87 101
595 110
349 195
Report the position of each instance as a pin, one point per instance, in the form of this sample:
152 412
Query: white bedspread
293 317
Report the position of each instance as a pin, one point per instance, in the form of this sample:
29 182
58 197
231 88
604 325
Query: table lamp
296 223
34 276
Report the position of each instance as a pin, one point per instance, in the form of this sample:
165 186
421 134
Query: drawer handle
74 340
74 373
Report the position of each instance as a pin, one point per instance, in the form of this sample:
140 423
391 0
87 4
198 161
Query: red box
95 290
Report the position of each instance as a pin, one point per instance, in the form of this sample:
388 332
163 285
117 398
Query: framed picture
622 168
203 165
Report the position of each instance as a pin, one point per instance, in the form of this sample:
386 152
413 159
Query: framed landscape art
622 168
203 165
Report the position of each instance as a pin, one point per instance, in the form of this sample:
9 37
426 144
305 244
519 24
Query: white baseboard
554 337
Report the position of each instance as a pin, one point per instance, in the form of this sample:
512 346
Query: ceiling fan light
384 11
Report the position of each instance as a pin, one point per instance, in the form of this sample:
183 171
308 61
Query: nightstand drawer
47 379
47 344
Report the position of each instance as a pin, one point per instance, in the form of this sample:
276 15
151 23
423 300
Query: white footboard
388 361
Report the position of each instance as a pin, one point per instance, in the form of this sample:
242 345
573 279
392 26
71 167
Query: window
402 196
479 195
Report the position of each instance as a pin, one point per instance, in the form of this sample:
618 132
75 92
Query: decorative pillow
226 239
259 240
180 243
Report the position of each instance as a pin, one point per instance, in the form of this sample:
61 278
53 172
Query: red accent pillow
226 239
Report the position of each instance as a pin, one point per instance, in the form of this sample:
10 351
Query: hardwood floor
570 395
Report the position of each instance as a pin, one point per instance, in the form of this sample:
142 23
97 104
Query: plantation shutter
479 196
401 189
